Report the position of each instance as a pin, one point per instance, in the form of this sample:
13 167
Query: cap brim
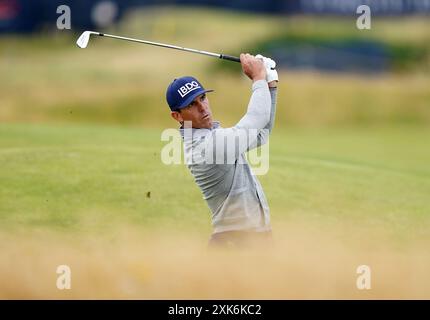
192 97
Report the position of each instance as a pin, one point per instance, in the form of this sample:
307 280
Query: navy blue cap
182 91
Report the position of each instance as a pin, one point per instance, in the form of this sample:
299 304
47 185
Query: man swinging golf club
240 213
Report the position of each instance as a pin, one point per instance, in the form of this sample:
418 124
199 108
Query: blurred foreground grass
307 262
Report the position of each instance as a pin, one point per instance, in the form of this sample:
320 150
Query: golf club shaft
212 54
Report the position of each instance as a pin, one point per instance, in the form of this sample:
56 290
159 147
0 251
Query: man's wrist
259 77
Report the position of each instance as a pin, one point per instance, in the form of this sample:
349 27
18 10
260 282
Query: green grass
55 176
46 78
66 176
73 178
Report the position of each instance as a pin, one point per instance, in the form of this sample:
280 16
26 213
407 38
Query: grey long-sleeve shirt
232 192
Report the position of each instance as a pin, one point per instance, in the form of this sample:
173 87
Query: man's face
198 112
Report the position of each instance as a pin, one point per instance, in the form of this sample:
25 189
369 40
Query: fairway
60 173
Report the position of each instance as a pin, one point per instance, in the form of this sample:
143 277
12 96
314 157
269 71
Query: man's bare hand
253 67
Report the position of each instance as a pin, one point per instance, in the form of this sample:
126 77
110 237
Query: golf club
83 40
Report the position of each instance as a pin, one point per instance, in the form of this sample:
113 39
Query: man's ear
177 116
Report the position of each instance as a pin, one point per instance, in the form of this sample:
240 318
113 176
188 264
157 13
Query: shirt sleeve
273 99
258 113
263 134
228 144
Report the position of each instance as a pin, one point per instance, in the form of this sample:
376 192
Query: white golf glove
272 74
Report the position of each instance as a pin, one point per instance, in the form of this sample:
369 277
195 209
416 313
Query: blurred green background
80 129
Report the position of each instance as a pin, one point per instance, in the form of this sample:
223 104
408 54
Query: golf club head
83 40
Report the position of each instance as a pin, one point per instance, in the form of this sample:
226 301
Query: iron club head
83 40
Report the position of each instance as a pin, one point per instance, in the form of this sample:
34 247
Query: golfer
240 213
